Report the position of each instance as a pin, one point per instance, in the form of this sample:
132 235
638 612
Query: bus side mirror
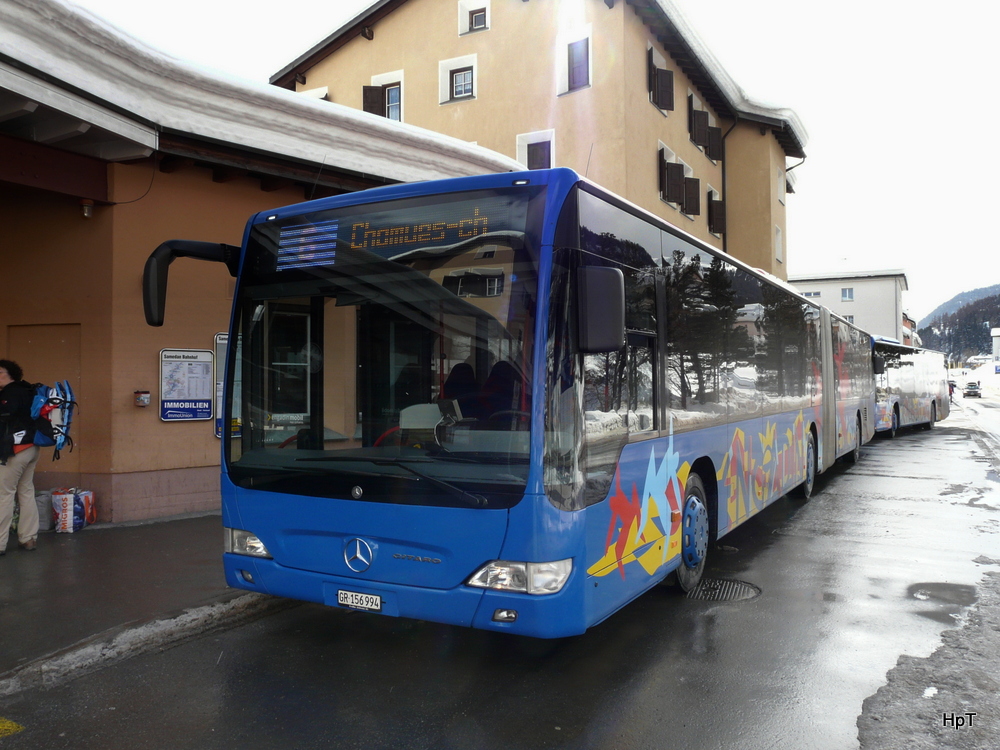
600 309
154 275
878 364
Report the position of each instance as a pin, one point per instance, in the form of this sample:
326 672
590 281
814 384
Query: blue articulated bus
512 402
911 386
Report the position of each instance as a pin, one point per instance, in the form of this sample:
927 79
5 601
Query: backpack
52 409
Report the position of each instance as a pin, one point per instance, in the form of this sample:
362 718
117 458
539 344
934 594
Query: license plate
354 600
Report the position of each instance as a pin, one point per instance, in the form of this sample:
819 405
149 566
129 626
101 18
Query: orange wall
178 205
55 269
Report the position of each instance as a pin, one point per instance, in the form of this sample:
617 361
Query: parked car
972 389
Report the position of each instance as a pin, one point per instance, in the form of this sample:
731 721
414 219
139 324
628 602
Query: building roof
852 275
69 78
671 29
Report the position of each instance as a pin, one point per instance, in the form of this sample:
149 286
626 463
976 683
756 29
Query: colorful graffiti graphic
752 478
644 527
638 520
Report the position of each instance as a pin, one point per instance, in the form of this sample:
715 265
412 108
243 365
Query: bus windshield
383 351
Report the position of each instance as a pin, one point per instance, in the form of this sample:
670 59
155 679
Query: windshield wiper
258 480
476 501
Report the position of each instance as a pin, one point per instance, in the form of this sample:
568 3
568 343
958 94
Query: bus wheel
855 455
805 490
930 425
694 534
895 423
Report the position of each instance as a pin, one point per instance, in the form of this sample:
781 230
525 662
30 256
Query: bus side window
641 381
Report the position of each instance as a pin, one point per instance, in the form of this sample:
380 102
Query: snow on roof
733 92
70 47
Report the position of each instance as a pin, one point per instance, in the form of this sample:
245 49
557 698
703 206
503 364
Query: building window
676 184
392 102
579 64
849 318
539 155
810 294
659 81
701 126
473 15
716 212
537 150
461 83
781 186
779 245
385 96
457 80
847 294
691 205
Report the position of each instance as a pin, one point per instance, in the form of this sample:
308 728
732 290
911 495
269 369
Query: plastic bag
73 509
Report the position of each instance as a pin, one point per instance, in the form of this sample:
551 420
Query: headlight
526 577
241 542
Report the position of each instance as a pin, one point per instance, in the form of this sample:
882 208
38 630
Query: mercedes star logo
358 555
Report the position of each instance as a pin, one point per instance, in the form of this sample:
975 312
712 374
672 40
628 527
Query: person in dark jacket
18 456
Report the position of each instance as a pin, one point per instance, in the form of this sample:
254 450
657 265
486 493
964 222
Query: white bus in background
912 387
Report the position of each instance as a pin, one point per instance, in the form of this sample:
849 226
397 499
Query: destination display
400 228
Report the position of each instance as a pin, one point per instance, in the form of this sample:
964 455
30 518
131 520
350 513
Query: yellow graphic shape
738 454
682 477
767 443
8 727
609 563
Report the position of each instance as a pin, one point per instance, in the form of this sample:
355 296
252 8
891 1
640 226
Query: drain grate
723 590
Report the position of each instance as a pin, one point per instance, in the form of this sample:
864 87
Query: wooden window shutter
714 148
716 216
699 133
661 173
692 196
650 72
675 182
663 94
374 100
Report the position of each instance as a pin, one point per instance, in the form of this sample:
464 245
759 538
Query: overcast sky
895 97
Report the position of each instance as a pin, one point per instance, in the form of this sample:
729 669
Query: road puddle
945 601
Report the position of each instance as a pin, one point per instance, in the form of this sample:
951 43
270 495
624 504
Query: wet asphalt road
875 565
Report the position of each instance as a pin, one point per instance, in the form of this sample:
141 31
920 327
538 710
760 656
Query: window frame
385 81
446 82
386 89
716 212
467 10
847 294
659 79
523 140
564 42
453 76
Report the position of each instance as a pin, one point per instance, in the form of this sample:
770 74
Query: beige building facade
622 92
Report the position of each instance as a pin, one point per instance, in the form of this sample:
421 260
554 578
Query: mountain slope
959 300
